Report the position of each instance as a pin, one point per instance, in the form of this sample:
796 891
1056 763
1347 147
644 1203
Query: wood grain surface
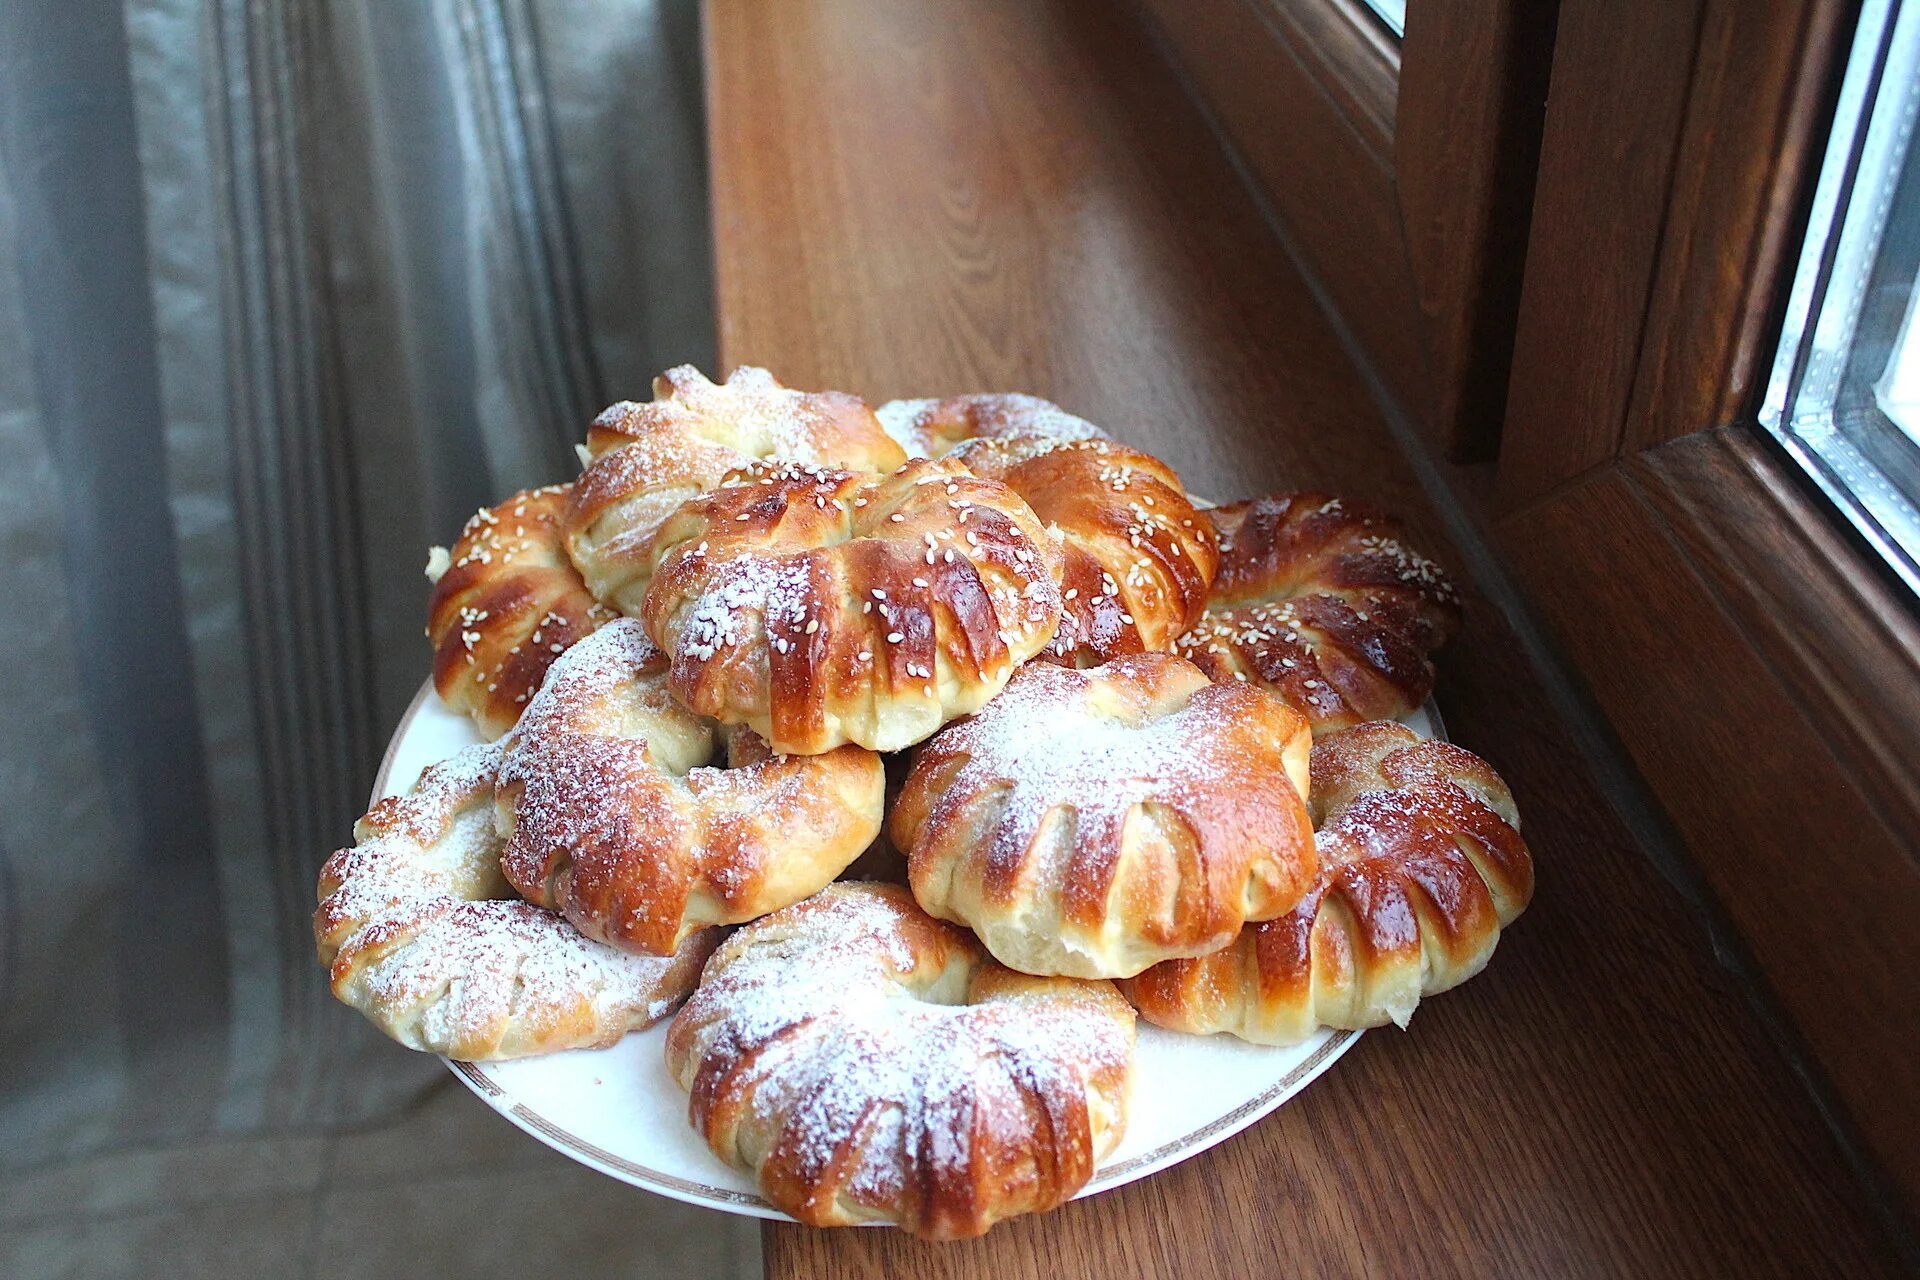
1617 103
1473 90
1754 663
1324 158
982 194
1771 698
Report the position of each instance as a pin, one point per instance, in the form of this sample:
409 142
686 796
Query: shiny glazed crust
505 603
1139 558
824 607
1422 866
1321 600
1095 822
419 932
869 1064
933 428
613 818
645 460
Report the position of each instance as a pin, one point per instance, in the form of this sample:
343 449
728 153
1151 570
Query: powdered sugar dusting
416 926
865 1077
931 428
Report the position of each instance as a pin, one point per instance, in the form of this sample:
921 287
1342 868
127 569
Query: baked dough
420 933
645 460
1321 600
823 607
932 428
867 1063
613 817
1422 867
506 601
1139 558
1095 822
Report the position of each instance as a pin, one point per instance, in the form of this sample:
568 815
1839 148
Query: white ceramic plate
618 1111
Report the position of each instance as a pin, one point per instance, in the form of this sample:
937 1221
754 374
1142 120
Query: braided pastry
613 818
932 428
1422 865
1320 600
1092 823
869 1064
505 602
648 459
1139 557
822 607
421 934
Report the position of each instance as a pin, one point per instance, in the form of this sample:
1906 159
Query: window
1844 398
1391 12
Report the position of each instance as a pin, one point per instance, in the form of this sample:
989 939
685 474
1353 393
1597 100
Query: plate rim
1334 1044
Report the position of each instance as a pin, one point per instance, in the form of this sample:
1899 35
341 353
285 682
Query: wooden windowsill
923 198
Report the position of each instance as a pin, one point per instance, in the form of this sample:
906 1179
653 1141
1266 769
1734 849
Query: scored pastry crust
822 607
613 818
1321 600
1422 865
420 933
645 460
868 1063
506 601
933 428
1095 822
1139 558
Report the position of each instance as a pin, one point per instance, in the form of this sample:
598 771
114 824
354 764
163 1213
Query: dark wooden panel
1035 207
1618 95
1473 90
1768 688
1756 124
1327 173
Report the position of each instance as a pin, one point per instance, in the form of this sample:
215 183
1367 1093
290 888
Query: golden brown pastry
1422 865
824 607
1092 823
506 601
869 1064
613 818
932 428
1321 600
645 460
420 933
1139 558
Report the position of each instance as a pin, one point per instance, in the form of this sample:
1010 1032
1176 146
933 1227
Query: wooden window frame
1756 661
1578 294
1399 170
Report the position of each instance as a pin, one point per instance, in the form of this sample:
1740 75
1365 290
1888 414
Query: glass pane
1844 397
1393 13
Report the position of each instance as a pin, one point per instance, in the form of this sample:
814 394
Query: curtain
287 289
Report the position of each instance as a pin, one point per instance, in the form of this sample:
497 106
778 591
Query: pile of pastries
1091 749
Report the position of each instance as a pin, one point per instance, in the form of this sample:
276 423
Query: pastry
506 601
1321 600
823 607
420 933
931 428
1422 865
613 817
645 460
867 1063
1139 558
1092 823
